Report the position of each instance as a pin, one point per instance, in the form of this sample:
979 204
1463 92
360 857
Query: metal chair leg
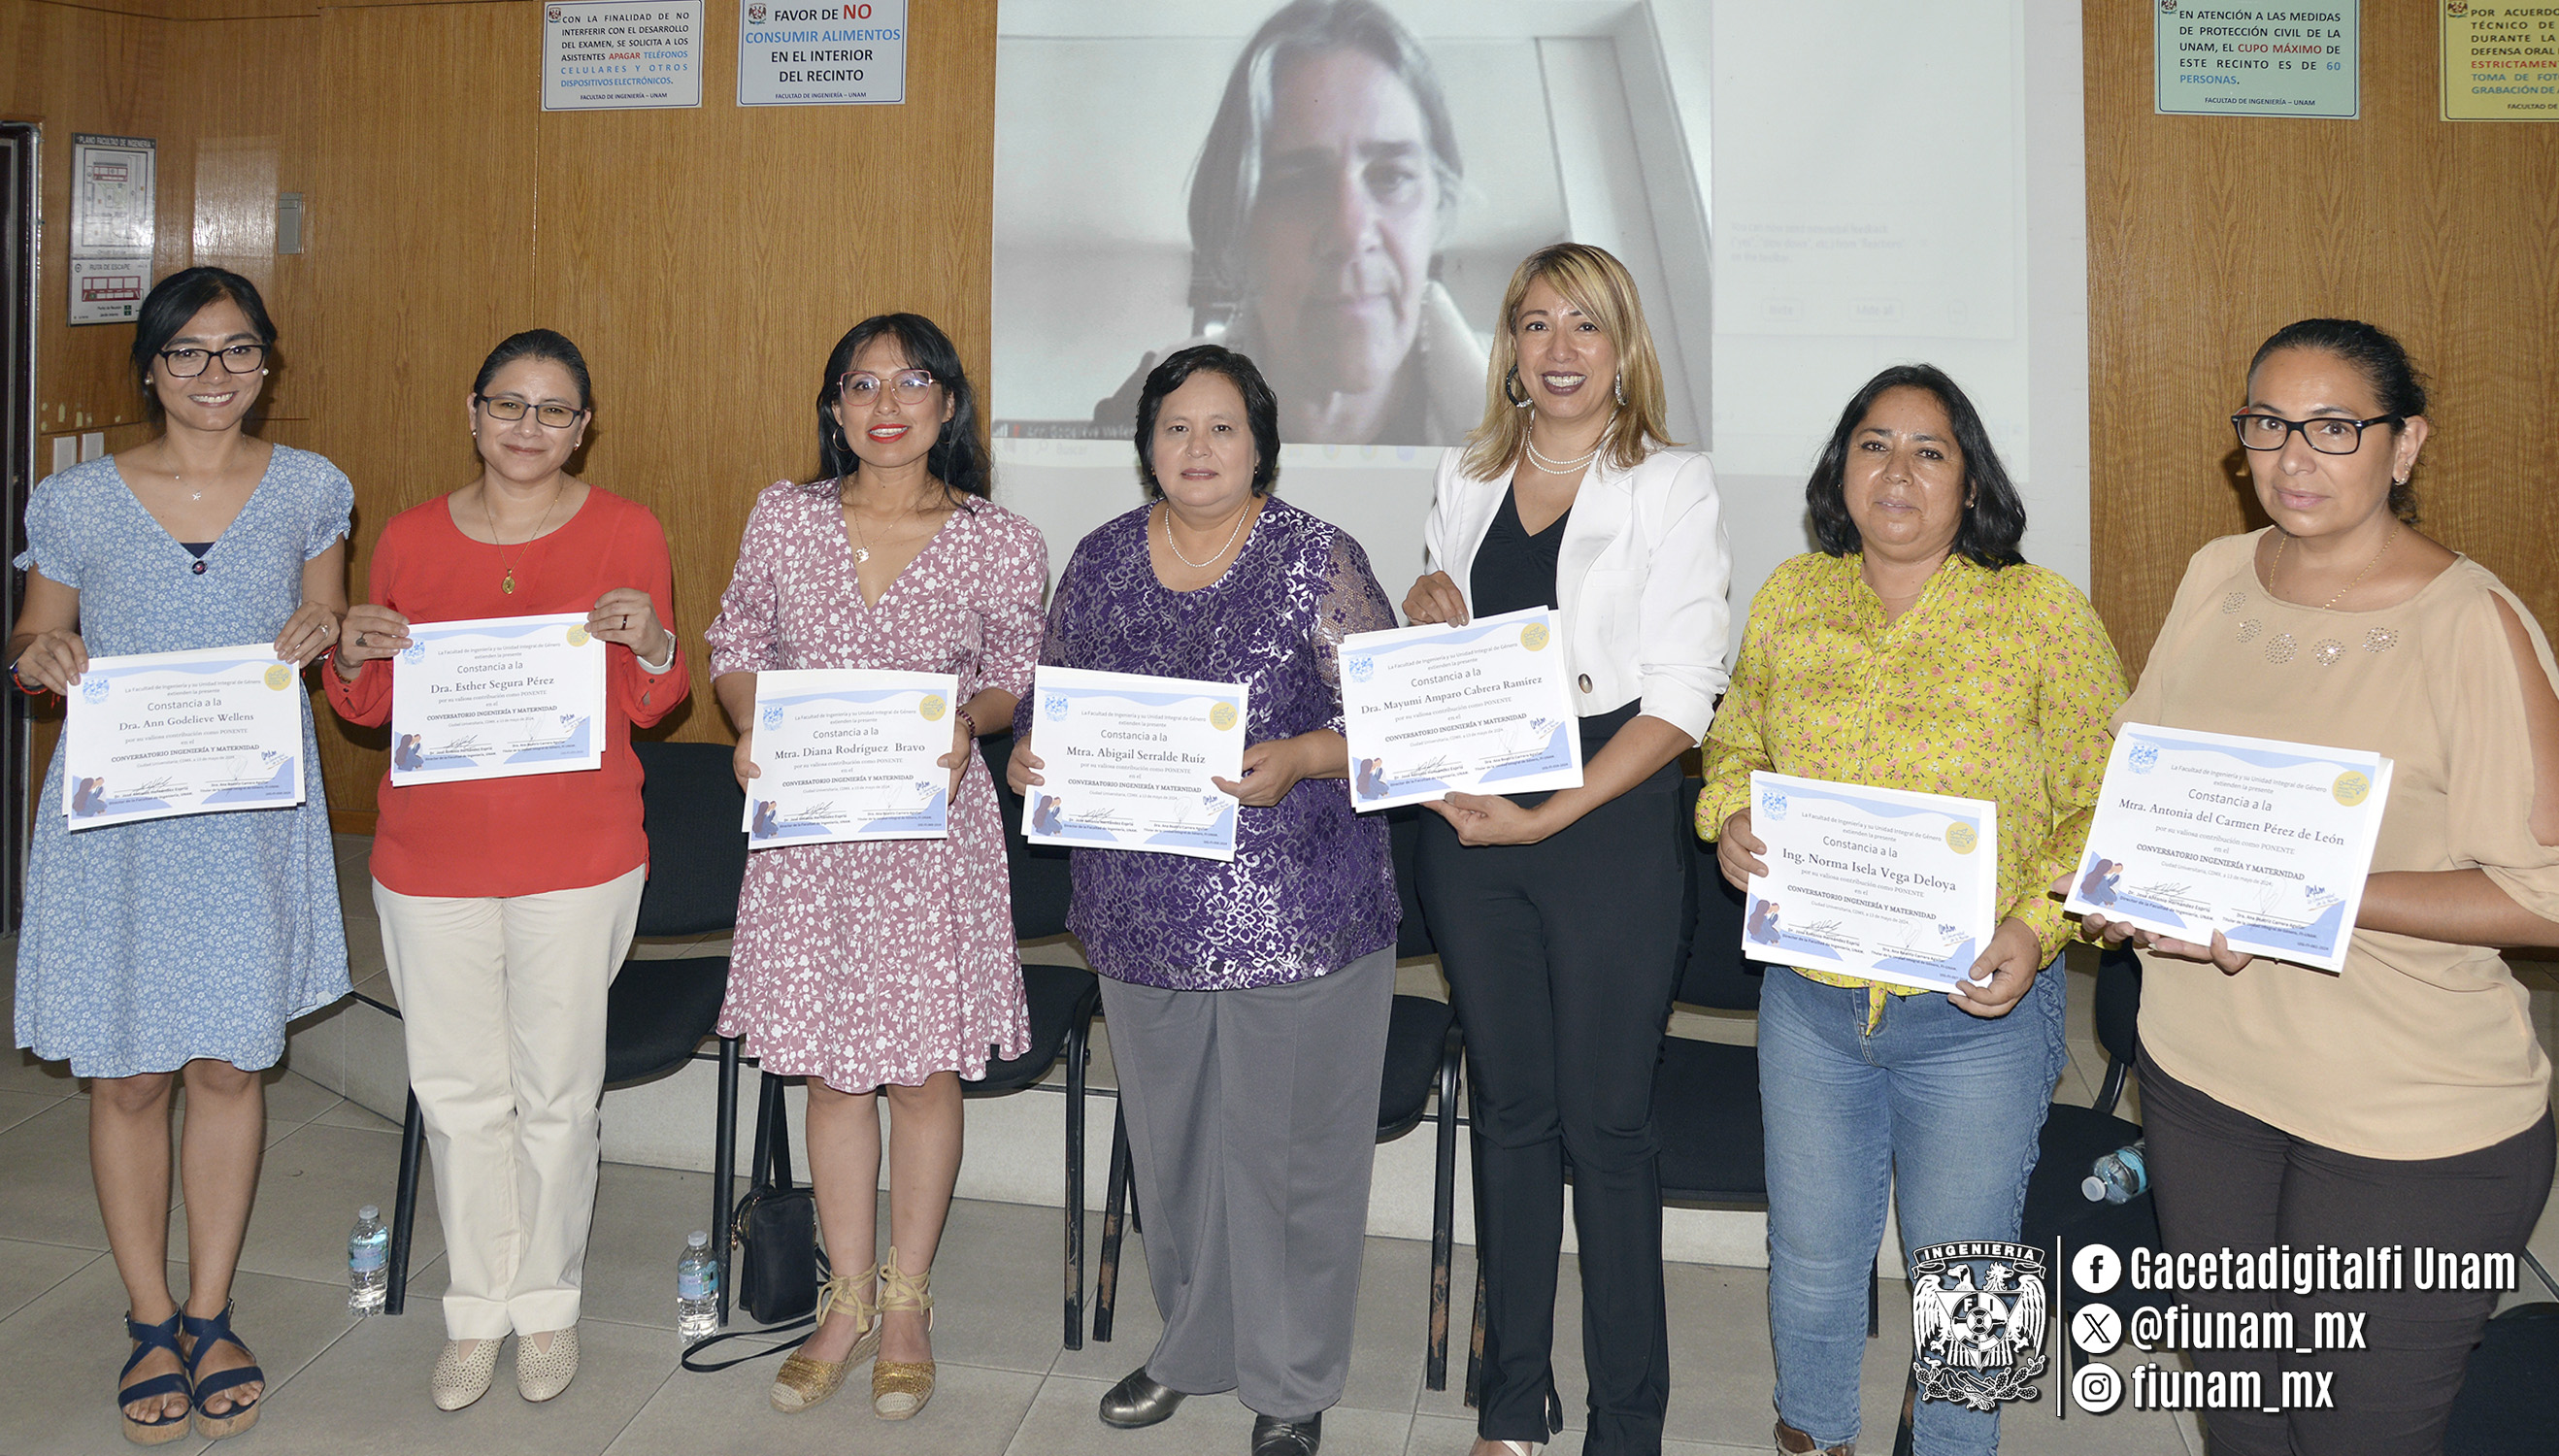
1443 1215
1475 1343
1117 1207
404 1206
1077 1044
724 1167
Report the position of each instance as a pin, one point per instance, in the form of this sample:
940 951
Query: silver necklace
1539 457
1170 545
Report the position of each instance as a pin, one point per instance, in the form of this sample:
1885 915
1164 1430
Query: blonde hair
1593 281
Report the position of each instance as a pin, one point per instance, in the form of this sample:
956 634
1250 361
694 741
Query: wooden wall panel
421 250
2205 235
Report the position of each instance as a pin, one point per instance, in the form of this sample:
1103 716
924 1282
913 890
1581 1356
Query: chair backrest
1402 833
1038 872
693 811
1713 970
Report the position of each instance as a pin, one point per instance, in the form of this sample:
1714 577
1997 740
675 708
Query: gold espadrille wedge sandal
803 1381
900 1388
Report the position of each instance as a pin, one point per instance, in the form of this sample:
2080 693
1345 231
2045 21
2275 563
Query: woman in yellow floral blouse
1919 651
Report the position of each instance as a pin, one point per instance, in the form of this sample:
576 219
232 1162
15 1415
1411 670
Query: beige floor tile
47 1196
974 1412
21 1071
641 1216
999 1285
28 1270
17 1106
368 1393
293 1099
63 1349
349 1114
1392 1332
308 1190
1063 1422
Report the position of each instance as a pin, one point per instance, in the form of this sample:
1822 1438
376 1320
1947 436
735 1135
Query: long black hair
958 458
1994 517
1261 409
2383 362
180 297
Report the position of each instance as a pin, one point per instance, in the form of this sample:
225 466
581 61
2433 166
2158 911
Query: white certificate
1480 707
1126 760
1881 884
498 698
848 754
2267 842
155 735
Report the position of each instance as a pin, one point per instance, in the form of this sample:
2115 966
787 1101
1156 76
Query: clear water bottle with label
696 1289
2118 1177
368 1263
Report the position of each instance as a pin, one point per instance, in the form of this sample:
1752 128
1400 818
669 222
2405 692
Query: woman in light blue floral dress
181 947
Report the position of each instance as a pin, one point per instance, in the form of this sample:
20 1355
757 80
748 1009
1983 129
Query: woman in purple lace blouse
1248 1001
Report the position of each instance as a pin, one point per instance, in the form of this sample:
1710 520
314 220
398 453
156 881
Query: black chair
660 1011
1063 1000
2504 1406
1425 1051
2074 1138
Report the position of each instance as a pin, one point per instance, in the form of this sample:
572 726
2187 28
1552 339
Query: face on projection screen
1340 188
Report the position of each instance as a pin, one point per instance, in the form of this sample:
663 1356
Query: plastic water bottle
696 1289
368 1263
2118 1177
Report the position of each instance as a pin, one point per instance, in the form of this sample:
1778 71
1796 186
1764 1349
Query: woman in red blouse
507 905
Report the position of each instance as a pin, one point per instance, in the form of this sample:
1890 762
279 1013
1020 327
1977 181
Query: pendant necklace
509 585
1539 459
2331 604
1240 518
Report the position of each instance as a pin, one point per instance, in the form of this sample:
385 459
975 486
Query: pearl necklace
1539 457
1240 518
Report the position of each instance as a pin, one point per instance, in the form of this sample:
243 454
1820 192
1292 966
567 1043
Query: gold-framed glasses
906 386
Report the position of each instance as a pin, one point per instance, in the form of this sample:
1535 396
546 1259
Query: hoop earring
1511 389
1621 389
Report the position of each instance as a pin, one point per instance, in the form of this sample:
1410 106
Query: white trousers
502 1005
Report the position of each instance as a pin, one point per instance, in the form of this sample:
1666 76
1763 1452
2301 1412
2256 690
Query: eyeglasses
185 362
2328 436
552 416
906 386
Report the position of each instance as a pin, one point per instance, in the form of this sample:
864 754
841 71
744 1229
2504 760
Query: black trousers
2226 1180
1561 962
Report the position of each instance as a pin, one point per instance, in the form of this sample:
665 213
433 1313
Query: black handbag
773 1242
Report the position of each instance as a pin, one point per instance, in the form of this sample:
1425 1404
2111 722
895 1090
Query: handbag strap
707 1341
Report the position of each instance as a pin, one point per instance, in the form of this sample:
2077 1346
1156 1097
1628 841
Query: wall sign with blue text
820 53
2258 57
621 55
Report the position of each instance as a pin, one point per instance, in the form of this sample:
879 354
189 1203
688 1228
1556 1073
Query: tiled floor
344 1386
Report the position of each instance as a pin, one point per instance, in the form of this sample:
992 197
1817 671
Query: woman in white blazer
1558 915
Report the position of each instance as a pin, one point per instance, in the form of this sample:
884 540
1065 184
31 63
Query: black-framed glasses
2328 435
552 416
187 361
906 386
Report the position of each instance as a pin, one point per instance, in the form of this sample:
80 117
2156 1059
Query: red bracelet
961 714
37 691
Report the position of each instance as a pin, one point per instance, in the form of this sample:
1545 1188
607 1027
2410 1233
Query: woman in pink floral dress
887 967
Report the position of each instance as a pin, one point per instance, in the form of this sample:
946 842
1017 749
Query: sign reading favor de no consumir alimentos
621 55
820 53
2258 57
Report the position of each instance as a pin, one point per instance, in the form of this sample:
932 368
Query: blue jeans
1945 1103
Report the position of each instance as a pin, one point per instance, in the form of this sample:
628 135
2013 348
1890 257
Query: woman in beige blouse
2405 1100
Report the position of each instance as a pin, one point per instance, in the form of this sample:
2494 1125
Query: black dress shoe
1272 1436
1139 1401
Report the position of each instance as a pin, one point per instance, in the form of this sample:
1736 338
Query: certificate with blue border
497 697
1128 761
156 735
1881 884
2263 840
844 755
1481 709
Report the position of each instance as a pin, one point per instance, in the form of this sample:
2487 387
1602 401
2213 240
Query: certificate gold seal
1222 717
1961 837
2351 788
277 675
1533 637
933 707
577 637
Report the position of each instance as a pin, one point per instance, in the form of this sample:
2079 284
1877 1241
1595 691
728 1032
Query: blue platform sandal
163 1429
205 1334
